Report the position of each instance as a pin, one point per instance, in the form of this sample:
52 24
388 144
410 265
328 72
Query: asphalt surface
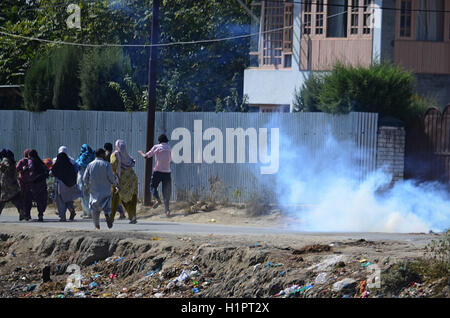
168 227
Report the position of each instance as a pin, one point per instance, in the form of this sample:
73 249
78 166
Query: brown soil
123 264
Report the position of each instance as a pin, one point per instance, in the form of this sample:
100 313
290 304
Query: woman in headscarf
87 155
37 185
50 182
65 185
24 178
9 186
122 164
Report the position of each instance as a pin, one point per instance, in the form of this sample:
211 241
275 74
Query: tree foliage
38 91
191 76
98 68
382 88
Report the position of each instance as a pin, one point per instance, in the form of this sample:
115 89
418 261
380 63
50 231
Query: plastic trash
119 259
80 295
69 290
122 295
151 273
156 239
270 264
343 284
61 296
287 291
305 288
124 290
367 264
282 273
194 273
321 278
93 285
30 287
183 276
195 290
212 220
112 276
159 295
106 295
13 253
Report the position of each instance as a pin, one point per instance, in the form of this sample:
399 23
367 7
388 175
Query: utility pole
151 107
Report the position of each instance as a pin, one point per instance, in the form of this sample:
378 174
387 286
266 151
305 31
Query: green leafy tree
205 71
383 88
38 90
133 96
98 68
66 88
307 98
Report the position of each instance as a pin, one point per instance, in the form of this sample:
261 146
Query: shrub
134 97
259 203
66 88
382 88
98 68
38 88
307 98
439 249
52 81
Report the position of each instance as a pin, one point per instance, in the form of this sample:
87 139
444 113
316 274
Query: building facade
312 36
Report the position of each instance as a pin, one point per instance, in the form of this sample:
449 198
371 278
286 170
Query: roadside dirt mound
118 264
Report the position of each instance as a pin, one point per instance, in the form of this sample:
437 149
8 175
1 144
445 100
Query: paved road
168 227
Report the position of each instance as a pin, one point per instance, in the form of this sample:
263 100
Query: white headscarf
125 161
64 149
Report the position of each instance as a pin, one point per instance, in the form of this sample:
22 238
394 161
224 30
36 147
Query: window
320 16
422 20
277 34
405 18
354 21
273 33
337 18
367 23
307 17
430 23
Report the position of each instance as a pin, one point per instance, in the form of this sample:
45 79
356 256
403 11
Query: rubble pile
77 266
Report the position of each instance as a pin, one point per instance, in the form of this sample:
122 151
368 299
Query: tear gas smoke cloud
328 181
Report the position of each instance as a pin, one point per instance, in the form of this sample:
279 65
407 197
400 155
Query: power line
279 1
358 6
142 45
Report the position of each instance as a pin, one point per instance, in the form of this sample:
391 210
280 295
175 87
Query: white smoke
328 183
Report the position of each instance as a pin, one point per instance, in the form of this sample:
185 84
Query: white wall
272 86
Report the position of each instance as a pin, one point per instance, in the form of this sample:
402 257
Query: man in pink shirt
161 171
